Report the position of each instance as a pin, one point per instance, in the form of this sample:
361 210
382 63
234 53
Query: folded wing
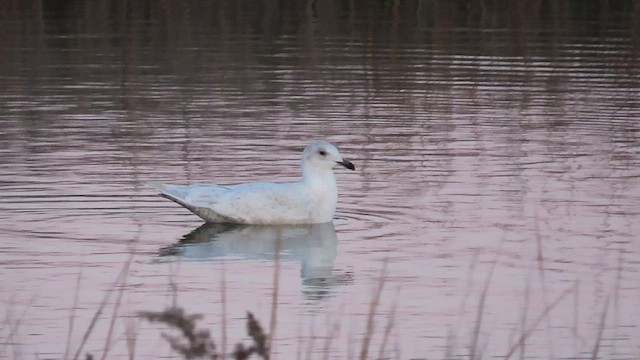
256 203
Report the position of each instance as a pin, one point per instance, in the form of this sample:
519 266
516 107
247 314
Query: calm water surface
498 176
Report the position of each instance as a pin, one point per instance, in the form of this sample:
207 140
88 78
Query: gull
312 200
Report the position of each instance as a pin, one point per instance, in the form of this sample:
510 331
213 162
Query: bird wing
263 203
255 203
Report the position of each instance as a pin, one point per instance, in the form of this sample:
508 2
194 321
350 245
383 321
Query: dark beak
346 163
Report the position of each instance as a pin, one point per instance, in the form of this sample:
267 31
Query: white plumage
311 200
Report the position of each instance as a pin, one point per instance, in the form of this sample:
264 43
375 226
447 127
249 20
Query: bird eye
322 153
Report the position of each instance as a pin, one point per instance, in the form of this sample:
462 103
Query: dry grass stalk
14 325
450 344
576 308
335 330
364 353
312 340
525 312
469 284
274 296
299 344
545 297
616 301
332 333
387 329
130 329
72 316
473 347
526 334
114 315
223 301
603 320
102 306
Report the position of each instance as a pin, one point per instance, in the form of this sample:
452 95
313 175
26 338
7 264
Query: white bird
312 200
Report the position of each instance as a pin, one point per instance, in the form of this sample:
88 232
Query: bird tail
172 191
178 194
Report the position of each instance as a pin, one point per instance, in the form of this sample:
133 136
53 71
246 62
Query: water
497 150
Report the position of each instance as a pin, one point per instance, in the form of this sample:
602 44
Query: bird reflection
314 245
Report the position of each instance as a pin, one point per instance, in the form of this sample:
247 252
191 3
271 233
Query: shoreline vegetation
436 24
190 341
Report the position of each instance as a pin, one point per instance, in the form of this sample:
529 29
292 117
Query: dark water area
497 148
